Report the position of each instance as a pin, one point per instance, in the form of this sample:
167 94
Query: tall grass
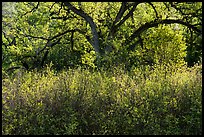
78 101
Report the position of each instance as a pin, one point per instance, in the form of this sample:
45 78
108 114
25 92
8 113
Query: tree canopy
95 34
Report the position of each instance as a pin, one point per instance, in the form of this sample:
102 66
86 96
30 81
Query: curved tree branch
128 15
122 10
38 37
156 23
154 9
120 13
52 6
88 19
49 45
33 9
116 23
119 20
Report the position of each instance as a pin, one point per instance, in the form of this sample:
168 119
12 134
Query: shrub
78 101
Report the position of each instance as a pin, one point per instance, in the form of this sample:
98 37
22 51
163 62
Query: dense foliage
101 67
95 34
117 102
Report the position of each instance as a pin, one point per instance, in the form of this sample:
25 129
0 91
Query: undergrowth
145 101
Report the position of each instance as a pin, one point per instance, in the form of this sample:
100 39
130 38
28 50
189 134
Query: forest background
101 67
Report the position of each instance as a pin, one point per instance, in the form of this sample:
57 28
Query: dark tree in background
96 34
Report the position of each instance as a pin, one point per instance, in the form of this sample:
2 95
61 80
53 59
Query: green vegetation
83 102
102 68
